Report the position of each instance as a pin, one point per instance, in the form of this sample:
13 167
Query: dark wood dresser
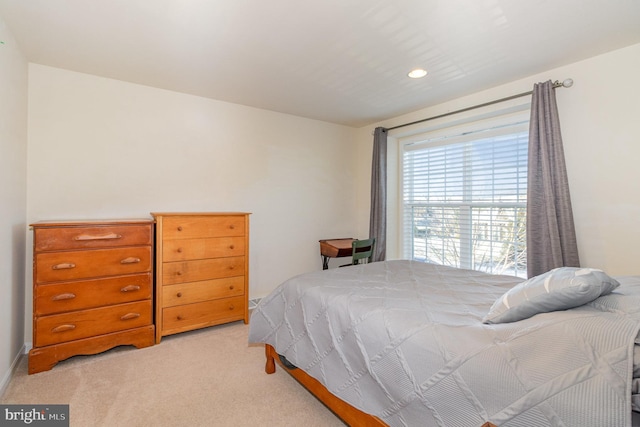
92 288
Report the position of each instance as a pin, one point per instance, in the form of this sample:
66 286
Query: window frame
472 127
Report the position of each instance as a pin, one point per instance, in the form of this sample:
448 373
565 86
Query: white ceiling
341 61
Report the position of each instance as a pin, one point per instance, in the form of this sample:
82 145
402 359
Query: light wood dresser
202 270
92 288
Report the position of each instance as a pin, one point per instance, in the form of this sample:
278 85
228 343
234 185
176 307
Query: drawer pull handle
63 328
231 287
179 273
232 247
232 226
179 228
179 250
231 307
110 236
130 316
64 266
130 260
130 288
179 294
62 297
179 317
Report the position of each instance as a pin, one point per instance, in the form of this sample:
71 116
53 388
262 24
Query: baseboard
6 379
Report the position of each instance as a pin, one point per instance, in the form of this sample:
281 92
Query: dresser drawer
188 293
65 327
214 247
69 238
71 296
188 227
205 269
64 266
191 316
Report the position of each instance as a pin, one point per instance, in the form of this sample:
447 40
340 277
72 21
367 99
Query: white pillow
559 289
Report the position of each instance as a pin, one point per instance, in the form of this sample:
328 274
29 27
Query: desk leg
325 262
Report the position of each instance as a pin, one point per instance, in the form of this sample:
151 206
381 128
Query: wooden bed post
270 366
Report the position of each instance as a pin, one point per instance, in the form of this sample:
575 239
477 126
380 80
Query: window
464 199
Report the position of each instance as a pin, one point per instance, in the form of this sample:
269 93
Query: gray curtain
378 217
551 237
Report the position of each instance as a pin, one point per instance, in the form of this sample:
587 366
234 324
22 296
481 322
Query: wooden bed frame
346 412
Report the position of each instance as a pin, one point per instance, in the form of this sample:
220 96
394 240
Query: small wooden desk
335 248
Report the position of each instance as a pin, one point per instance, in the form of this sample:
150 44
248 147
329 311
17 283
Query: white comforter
404 341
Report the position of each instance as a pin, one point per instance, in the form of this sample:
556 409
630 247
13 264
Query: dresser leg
44 358
41 359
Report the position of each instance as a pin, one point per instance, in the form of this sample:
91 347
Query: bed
405 343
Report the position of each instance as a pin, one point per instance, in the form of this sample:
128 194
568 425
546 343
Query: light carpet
208 377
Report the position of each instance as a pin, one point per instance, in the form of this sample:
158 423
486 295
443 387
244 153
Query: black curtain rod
556 84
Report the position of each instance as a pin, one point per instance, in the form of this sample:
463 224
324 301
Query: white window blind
464 199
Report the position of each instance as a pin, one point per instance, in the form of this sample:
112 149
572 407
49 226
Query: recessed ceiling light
417 73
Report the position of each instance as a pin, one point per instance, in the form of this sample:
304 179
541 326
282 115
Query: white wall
13 190
599 118
102 148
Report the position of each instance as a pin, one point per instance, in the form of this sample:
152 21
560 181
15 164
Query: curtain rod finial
567 83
